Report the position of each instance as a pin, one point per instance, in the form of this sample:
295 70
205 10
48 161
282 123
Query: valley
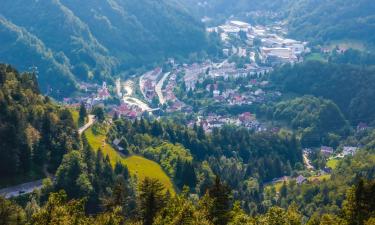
171 112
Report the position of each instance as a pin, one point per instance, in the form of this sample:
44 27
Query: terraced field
137 165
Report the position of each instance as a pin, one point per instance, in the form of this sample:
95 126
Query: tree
72 176
220 207
82 113
239 217
180 210
118 197
99 114
360 203
58 210
151 199
10 213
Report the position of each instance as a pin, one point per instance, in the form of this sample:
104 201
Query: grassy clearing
142 167
320 178
332 163
75 115
137 165
278 186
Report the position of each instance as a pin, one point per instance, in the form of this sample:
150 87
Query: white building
349 151
241 25
278 55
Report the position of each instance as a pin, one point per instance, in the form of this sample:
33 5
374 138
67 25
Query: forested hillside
222 9
94 40
348 86
315 21
326 20
318 121
35 133
221 178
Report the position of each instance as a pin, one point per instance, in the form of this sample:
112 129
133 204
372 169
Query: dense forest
35 133
155 207
318 121
349 86
327 20
263 156
220 177
221 9
95 40
311 20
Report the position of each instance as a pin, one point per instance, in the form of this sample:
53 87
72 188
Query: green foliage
350 87
151 199
34 132
278 216
99 114
319 120
322 21
327 196
10 213
354 57
82 114
168 156
59 211
360 203
219 209
94 40
72 176
180 210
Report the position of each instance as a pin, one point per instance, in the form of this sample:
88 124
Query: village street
307 162
159 86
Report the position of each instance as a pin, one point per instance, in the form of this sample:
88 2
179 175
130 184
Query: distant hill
94 39
328 20
318 21
232 7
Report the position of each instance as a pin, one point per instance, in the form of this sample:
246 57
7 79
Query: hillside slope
34 132
318 21
93 40
327 20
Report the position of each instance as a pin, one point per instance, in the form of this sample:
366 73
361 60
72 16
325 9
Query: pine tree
99 113
220 208
82 114
151 199
118 196
189 177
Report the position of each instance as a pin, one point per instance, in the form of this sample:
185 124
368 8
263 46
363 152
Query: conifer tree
151 199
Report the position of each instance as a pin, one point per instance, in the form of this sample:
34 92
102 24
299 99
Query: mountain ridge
98 39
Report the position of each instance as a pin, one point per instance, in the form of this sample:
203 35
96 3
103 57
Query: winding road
87 125
21 189
307 161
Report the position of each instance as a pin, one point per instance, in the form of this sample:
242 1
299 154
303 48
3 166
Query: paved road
21 189
87 125
141 86
158 88
307 161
